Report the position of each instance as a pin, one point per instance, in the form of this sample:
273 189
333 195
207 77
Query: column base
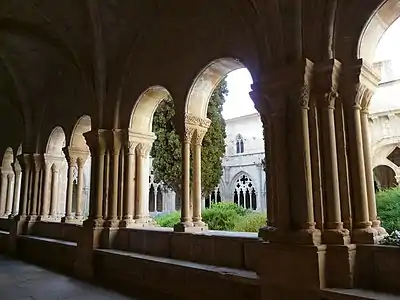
336 237
290 271
111 223
367 235
299 237
93 223
32 218
190 227
127 223
67 219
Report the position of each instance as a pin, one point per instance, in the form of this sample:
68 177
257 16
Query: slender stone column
10 194
54 190
373 215
185 197
38 161
3 193
96 141
17 188
129 185
72 164
155 198
197 143
353 93
115 145
343 170
26 162
142 186
272 207
44 211
79 189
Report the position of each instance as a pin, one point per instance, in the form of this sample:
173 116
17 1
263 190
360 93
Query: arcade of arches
79 92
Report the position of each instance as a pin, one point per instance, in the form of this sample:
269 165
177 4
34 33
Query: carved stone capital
304 97
188 134
198 136
73 154
330 98
115 141
38 161
143 149
17 167
97 141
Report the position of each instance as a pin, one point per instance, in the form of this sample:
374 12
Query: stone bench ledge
49 240
355 294
249 277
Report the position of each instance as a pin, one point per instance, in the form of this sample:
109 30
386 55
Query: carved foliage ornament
143 149
198 137
331 98
188 134
304 96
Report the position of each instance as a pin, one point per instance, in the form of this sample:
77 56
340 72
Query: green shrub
168 220
223 216
388 206
251 222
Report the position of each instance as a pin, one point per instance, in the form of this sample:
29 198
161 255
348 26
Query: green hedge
388 206
222 216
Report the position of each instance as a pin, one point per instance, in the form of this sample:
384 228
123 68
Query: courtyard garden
388 206
226 216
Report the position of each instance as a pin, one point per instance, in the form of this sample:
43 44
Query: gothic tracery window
239 144
244 194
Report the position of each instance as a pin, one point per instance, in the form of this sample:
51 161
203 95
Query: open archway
246 152
142 137
385 177
386 14
79 172
55 177
7 183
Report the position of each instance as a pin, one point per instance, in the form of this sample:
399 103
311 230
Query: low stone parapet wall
229 249
166 278
56 230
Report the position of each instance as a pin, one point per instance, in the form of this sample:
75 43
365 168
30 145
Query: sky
238 102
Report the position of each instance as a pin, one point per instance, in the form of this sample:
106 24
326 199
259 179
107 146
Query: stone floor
22 281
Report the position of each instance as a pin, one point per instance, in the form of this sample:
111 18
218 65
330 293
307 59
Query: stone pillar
10 194
79 191
197 186
72 164
3 193
185 223
142 187
115 144
129 185
17 188
343 170
44 211
26 163
55 169
372 80
96 140
282 97
325 91
38 162
352 93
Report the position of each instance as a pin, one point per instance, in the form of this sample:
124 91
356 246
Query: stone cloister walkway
23 281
